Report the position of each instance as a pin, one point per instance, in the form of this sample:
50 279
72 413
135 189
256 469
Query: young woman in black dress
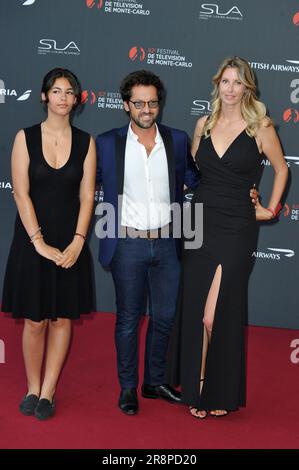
48 279
206 352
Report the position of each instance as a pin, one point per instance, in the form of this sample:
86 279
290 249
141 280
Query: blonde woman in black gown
206 351
48 279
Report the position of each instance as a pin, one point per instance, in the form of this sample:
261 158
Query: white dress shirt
146 199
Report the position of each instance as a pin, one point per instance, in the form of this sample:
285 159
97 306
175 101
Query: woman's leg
197 413
208 320
210 307
57 347
33 352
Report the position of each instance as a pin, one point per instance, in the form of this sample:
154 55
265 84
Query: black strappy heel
198 410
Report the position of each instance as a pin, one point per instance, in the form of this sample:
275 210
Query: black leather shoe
28 404
128 402
45 409
161 391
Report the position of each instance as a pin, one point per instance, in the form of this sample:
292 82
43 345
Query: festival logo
131 7
137 53
291 115
159 56
296 19
102 99
291 212
93 3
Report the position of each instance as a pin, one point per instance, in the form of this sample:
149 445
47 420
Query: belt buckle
148 234
153 234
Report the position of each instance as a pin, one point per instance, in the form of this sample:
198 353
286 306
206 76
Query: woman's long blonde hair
253 111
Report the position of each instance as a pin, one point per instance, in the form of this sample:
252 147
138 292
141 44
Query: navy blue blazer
111 148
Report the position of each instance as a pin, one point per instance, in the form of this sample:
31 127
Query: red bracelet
275 211
272 211
80 235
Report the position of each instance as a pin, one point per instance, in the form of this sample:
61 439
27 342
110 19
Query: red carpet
87 416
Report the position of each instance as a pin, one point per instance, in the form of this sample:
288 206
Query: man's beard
144 125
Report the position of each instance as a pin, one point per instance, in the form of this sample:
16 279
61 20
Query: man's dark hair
140 77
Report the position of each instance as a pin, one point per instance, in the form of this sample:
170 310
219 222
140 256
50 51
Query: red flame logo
137 52
92 3
88 96
296 19
291 115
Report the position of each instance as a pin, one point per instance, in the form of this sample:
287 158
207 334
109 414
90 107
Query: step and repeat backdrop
183 42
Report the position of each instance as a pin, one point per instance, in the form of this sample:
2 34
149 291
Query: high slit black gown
229 239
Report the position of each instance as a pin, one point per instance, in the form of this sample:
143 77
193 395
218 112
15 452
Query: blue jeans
141 266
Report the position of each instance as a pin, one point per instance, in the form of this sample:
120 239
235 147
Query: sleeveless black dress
229 239
34 287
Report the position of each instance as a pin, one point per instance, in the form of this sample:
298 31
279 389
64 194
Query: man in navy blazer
143 168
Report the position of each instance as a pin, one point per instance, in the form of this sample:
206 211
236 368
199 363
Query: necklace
45 131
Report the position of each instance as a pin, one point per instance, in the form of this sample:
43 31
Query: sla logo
212 10
50 46
296 19
200 107
27 2
92 3
137 52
